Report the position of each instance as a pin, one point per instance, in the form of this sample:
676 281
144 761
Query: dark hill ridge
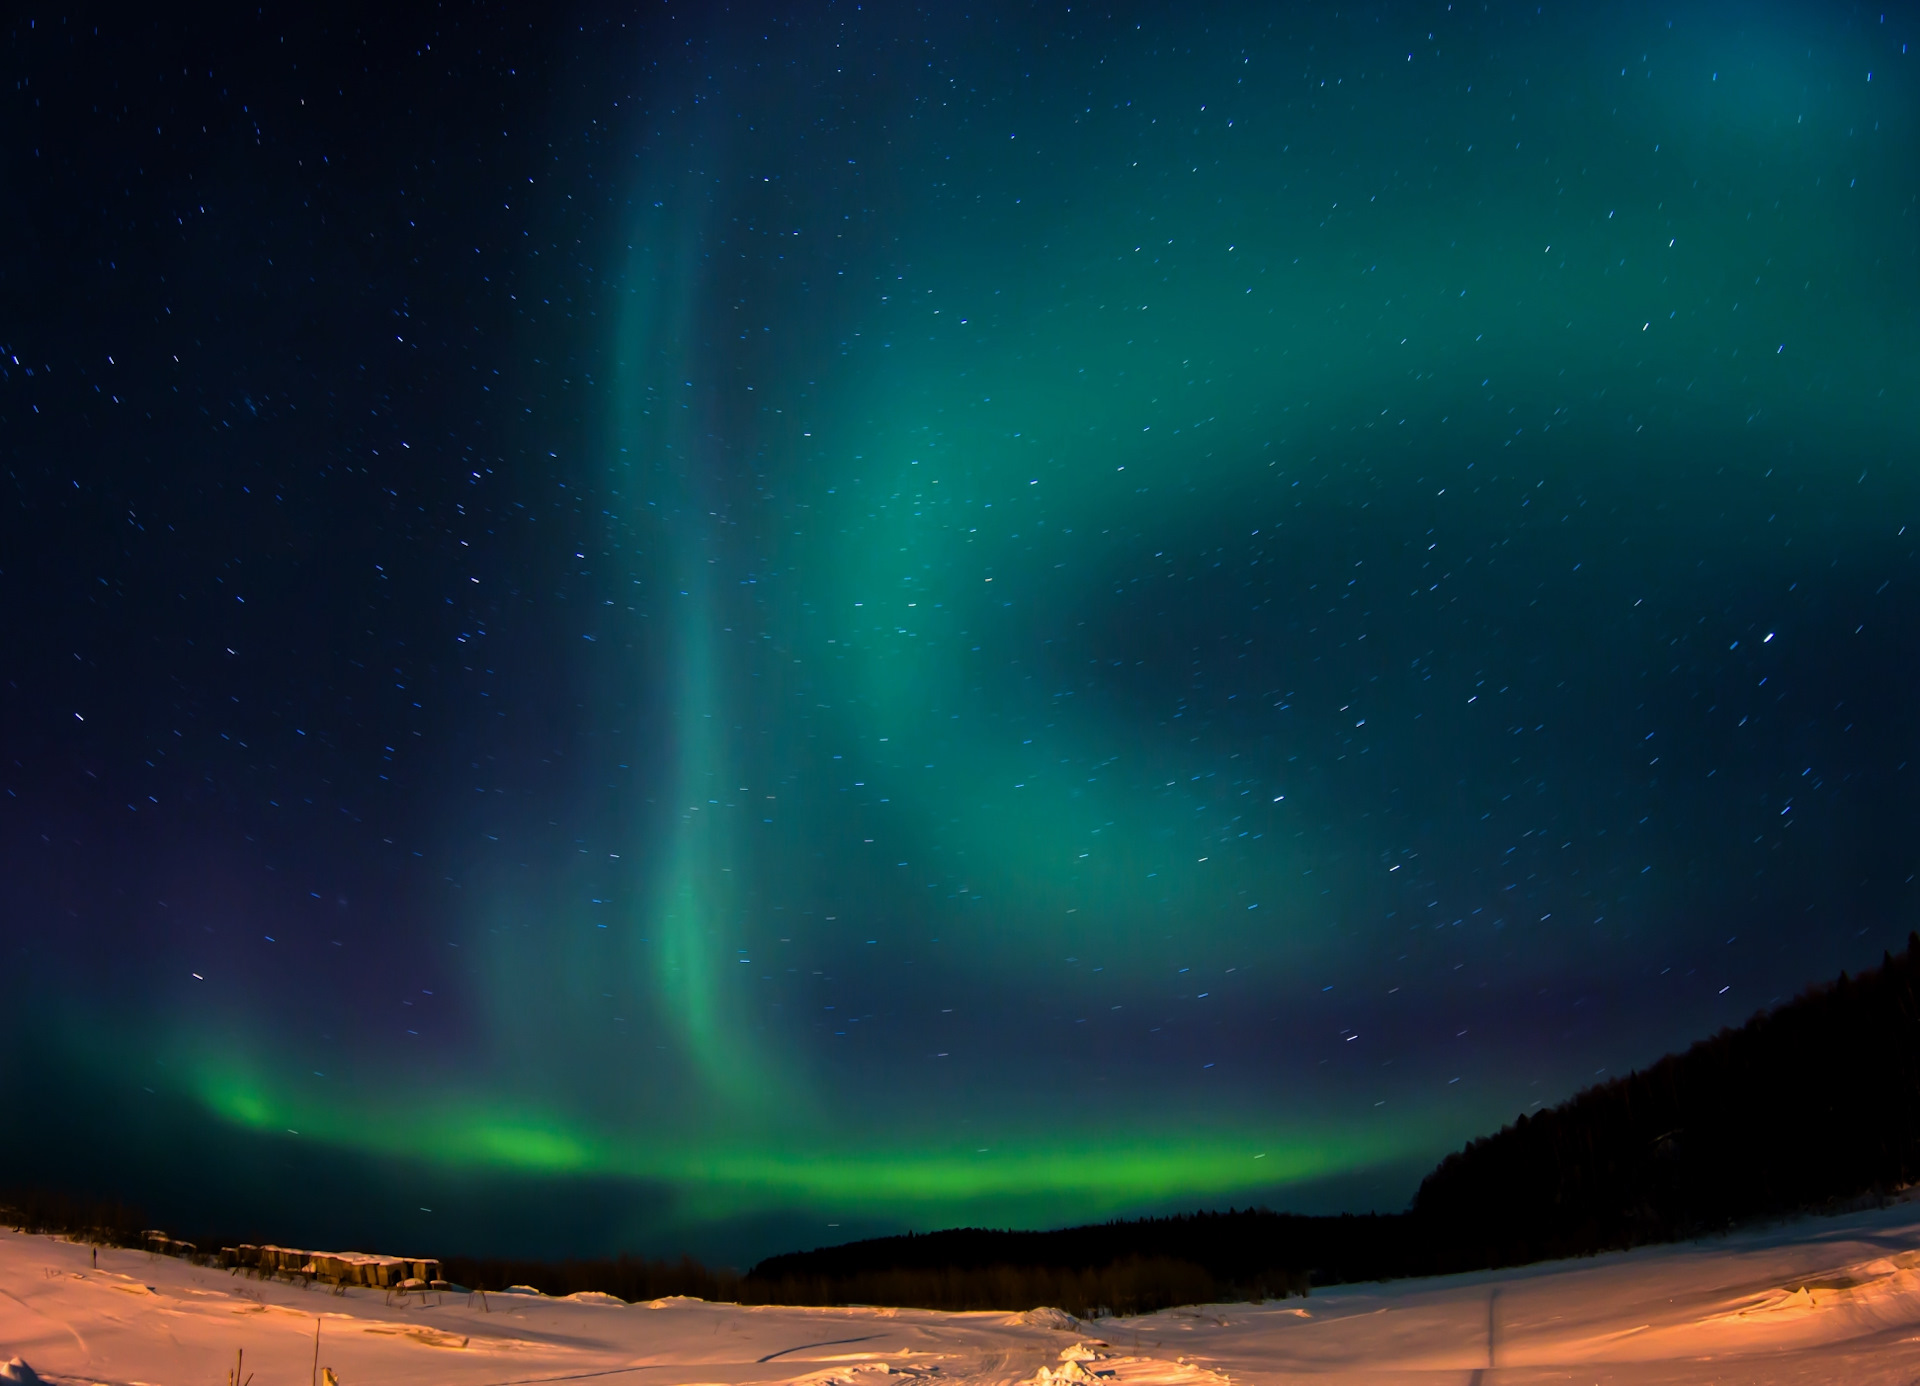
1234 1246
1813 1104
1123 1267
1810 1103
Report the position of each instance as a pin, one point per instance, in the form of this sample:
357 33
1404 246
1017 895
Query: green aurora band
1015 479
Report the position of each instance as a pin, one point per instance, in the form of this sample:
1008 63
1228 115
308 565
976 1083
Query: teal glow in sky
1049 614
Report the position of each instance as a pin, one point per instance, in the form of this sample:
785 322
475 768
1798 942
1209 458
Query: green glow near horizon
1016 1178
918 562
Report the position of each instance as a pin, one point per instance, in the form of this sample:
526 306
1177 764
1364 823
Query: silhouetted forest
108 1222
1812 1105
630 1277
1120 1267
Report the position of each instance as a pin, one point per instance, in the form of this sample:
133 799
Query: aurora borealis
722 630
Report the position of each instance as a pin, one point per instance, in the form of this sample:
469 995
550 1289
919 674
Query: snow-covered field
1814 1301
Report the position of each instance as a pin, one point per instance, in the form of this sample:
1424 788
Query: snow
1809 1301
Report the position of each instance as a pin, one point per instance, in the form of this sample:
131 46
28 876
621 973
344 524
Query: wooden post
1493 1328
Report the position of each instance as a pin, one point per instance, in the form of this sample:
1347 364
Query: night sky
712 629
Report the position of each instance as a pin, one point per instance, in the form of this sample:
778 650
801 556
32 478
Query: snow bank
1815 1301
1048 1317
